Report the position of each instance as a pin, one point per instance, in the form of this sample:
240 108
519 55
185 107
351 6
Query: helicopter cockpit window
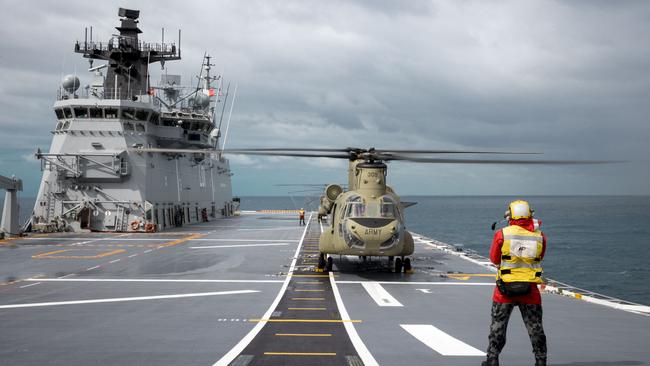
388 208
354 207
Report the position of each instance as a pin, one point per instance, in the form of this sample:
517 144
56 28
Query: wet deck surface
204 295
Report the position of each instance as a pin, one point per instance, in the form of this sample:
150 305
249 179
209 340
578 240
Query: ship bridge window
67 112
59 113
168 122
59 125
96 113
139 127
128 126
154 118
111 113
81 112
66 124
141 115
128 113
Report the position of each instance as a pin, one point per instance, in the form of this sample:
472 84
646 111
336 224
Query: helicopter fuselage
366 225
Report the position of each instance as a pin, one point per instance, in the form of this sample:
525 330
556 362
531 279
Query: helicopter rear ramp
244 291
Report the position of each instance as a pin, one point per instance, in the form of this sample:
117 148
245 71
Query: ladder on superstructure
119 219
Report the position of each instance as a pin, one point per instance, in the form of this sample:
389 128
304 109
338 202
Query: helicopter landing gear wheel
330 264
407 265
398 265
321 261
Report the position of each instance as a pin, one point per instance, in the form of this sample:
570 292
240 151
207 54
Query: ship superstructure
94 177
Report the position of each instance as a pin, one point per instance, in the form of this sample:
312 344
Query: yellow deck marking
309 290
52 255
467 276
321 276
181 240
304 321
308 298
303 334
307 308
300 353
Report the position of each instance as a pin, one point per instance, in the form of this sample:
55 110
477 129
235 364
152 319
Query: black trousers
532 316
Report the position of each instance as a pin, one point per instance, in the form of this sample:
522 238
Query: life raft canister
521 254
135 225
150 227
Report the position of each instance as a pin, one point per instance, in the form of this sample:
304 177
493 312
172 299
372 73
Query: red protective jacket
533 297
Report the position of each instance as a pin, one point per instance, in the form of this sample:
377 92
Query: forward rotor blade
280 149
178 151
302 185
379 151
303 155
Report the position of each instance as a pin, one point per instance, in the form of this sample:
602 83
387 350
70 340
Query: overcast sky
567 78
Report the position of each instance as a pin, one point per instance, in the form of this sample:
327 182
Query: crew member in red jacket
517 250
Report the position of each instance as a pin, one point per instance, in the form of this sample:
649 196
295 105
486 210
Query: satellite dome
201 100
70 83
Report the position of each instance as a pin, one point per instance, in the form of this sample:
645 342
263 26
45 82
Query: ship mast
128 58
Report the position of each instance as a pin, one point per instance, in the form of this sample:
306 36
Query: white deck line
419 283
359 346
226 359
147 280
121 299
239 246
153 239
440 341
630 308
380 295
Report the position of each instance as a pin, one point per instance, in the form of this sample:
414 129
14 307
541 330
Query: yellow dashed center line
300 353
309 290
308 298
303 334
304 321
320 276
308 309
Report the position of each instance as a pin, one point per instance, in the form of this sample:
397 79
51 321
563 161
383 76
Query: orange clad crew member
301 214
518 250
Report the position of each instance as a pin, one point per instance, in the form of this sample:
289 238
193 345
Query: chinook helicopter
367 219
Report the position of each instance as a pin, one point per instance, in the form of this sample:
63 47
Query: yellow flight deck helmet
519 209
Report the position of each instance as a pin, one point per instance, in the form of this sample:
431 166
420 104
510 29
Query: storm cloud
568 78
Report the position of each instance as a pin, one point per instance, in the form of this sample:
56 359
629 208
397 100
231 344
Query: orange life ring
150 227
135 225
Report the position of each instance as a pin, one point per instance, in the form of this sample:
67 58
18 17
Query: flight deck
246 291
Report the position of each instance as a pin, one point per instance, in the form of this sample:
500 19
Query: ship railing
118 42
109 94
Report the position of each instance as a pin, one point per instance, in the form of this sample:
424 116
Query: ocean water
599 243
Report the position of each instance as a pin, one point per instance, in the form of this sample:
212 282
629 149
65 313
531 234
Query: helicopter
367 219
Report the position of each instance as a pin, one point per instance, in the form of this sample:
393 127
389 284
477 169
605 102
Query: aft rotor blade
501 161
388 151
